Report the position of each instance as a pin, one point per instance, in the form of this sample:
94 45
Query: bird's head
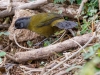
22 23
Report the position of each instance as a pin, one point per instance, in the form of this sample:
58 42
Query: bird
45 24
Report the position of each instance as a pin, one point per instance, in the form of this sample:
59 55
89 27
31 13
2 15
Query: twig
32 69
99 4
79 11
66 71
4 26
9 7
59 38
20 45
78 44
94 34
3 62
6 48
81 6
10 57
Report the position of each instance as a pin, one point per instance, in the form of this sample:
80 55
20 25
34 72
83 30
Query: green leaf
59 1
72 67
91 50
89 53
59 32
91 7
85 27
71 1
90 67
2 53
79 1
4 33
66 18
98 52
42 63
46 43
29 43
96 46
60 12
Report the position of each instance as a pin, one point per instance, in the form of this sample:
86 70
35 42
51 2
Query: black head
22 23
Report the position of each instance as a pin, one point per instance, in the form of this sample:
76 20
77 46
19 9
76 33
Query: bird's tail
66 25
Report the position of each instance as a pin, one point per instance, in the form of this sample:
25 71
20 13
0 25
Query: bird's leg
39 43
71 31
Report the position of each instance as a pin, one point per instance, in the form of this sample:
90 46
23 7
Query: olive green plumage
44 23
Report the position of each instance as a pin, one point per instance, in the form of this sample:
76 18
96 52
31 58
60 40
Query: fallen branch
3 5
49 50
6 13
6 26
30 5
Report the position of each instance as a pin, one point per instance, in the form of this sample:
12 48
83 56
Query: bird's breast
46 31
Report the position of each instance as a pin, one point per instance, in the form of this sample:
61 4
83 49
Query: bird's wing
49 19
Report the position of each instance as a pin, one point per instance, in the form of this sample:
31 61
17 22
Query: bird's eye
21 25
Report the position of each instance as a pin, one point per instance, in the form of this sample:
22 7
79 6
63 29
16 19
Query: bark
44 52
